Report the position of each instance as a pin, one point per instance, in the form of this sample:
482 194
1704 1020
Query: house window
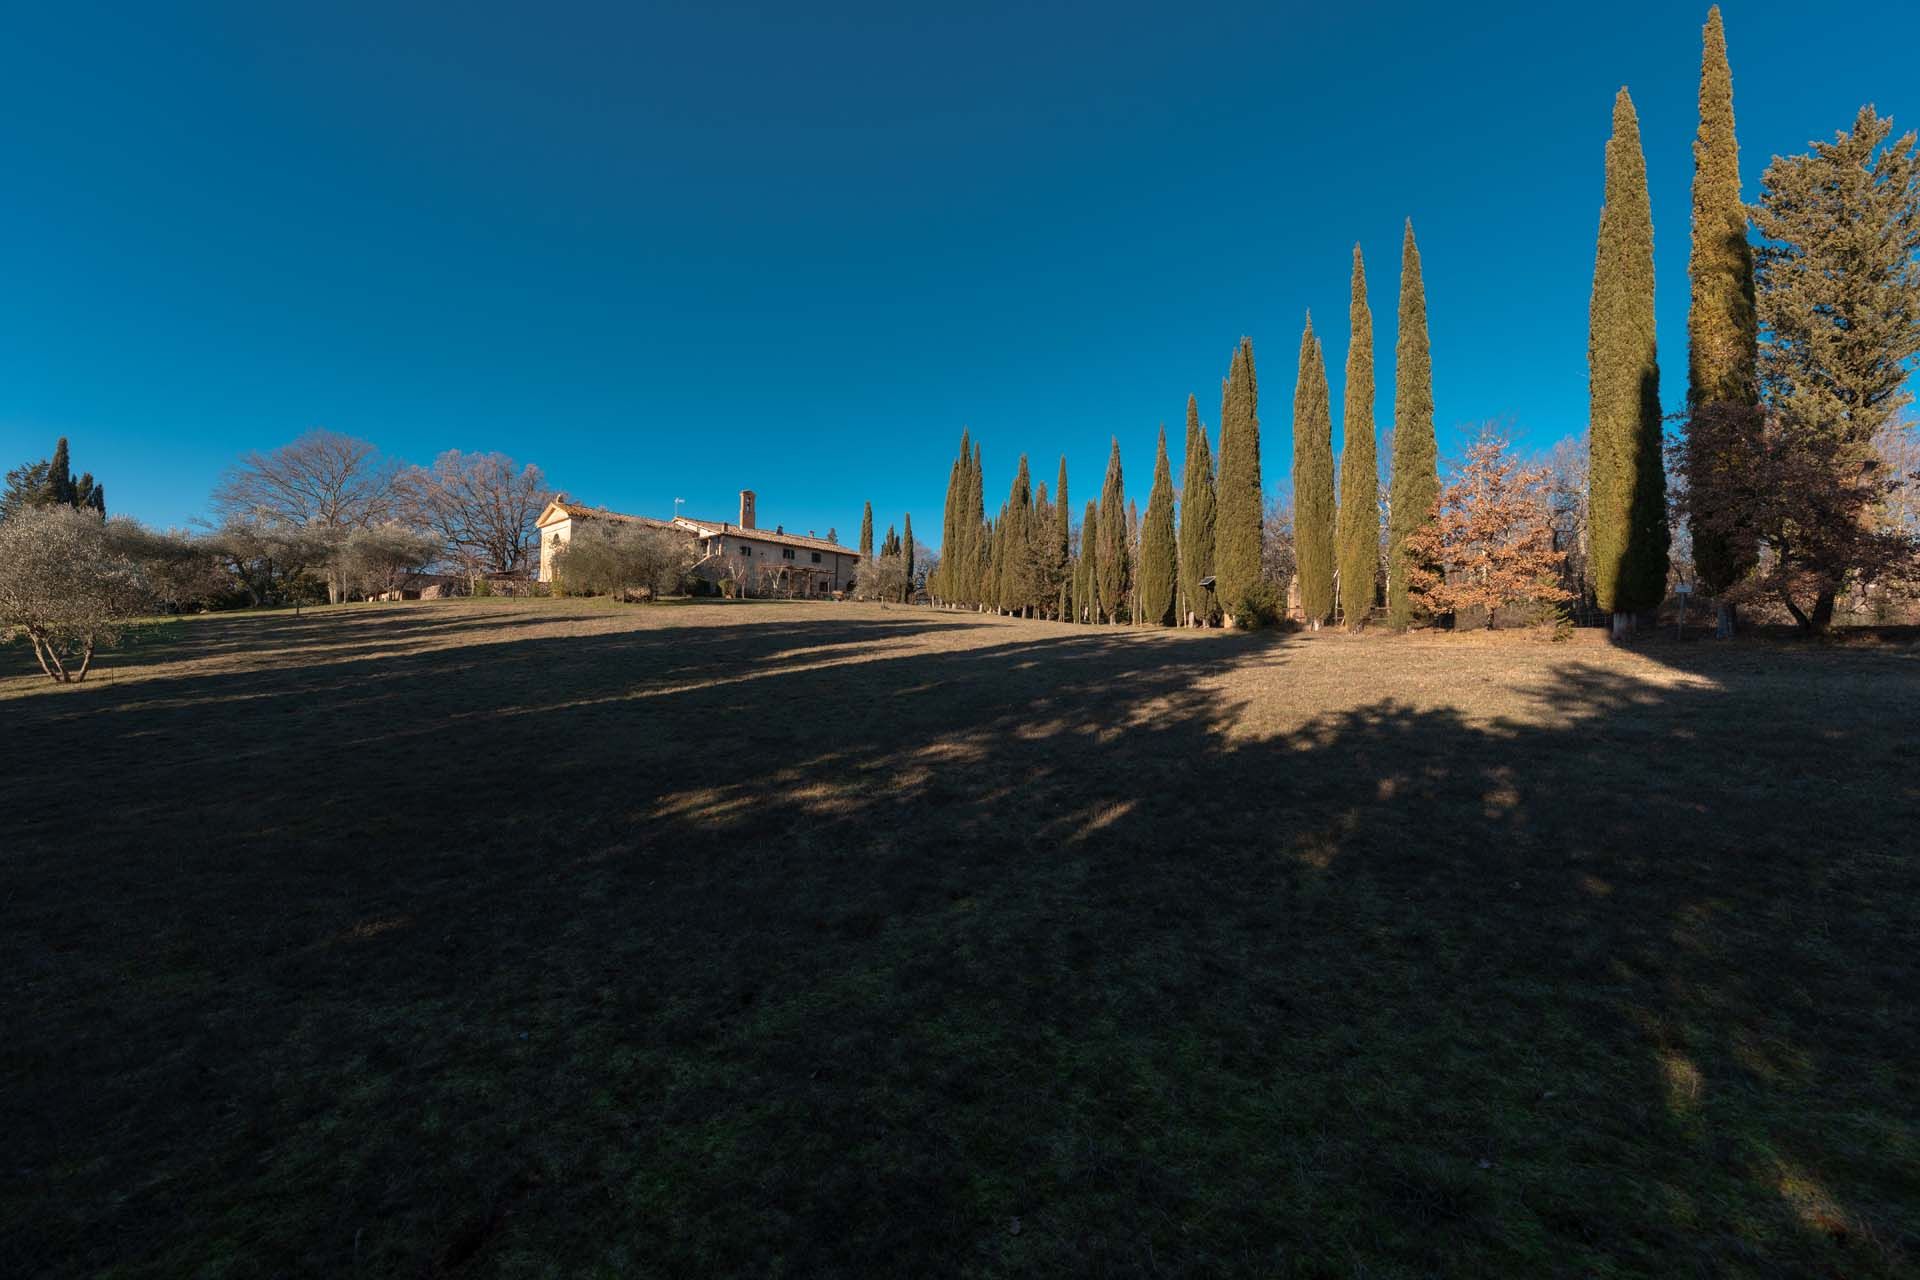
816 557
787 553
746 551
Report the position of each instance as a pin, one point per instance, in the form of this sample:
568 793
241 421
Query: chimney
746 509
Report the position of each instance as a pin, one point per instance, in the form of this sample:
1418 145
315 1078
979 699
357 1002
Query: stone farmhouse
761 562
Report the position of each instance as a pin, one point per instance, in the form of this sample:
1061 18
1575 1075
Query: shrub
615 560
1258 606
67 587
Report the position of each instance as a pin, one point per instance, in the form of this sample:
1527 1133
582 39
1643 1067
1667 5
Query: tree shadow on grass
819 947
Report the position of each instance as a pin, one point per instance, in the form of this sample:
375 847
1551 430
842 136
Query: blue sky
674 250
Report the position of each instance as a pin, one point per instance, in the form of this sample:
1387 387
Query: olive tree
377 561
623 559
267 558
67 586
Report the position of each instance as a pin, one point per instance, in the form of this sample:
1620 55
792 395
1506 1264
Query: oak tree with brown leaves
1490 542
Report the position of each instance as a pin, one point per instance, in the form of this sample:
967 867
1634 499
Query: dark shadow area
923 946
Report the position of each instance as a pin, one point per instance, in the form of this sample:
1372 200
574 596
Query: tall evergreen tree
60 476
1014 572
1114 579
941 582
1159 556
1415 484
1837 275
1626 476
1313 509
26 487
989 543
906 550
1358 535
866 534
1722 332
1198 603
966 576
1238 502
1089 582
1062 530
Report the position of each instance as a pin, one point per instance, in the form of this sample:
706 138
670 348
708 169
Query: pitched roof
721 529
561 509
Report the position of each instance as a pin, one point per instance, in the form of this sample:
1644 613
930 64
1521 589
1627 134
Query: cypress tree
1415 484
936 581
1013 569
60 476
1626 503
1048 571
1313 510
866 534
989 540
1062 530
941 583
906 551
1197 603
1722 333
1359 521
1159 556
966 567
1238 514
1113 583
981 533
1089 588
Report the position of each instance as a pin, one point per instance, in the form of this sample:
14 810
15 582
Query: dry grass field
564 938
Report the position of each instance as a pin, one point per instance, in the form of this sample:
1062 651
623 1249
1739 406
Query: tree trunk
1622 625
1822 612
49 661
1726 618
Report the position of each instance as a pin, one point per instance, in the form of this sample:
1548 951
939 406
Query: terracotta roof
580 511
699 528
721 529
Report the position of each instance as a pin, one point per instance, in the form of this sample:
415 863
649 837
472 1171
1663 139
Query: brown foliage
1814 503
1491 537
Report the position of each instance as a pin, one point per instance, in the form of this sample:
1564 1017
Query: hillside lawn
539 938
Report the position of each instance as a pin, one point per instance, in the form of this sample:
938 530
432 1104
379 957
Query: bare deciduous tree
322 481
1277 561
1566 464
481 506
881 578
66 587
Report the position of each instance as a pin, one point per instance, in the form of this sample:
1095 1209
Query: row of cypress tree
1196 559
1214 531
1628 531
